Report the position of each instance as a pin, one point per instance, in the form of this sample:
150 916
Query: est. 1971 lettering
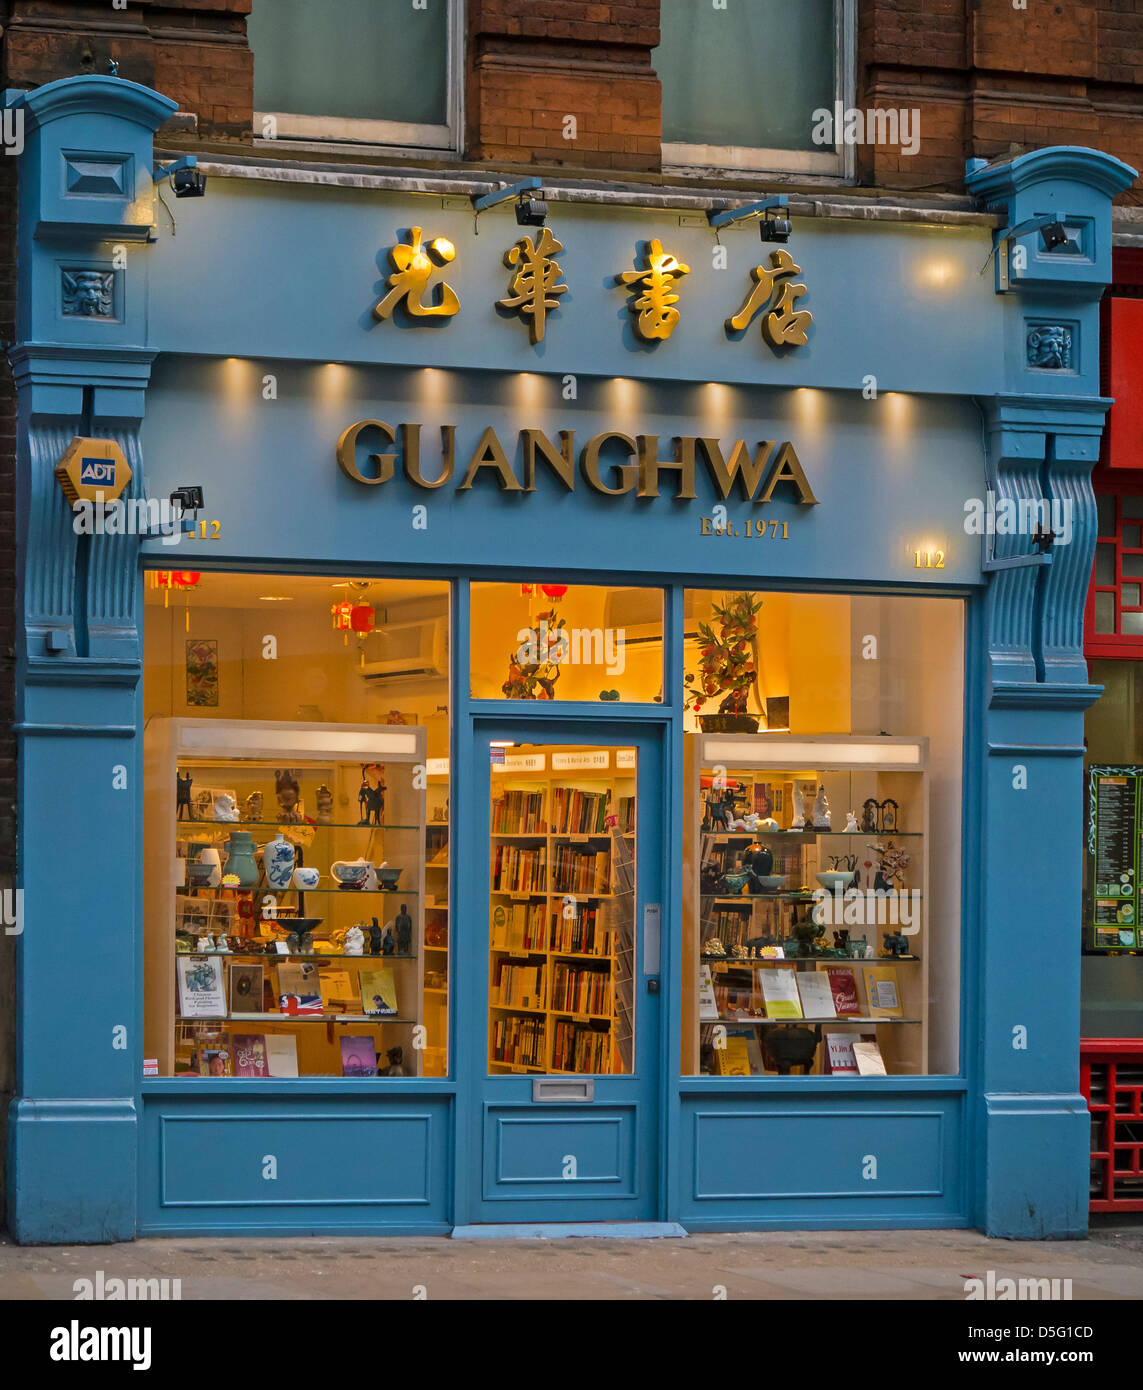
756 530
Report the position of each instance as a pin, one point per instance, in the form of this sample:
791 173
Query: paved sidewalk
796 1265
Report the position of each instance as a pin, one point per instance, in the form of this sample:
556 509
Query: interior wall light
772 213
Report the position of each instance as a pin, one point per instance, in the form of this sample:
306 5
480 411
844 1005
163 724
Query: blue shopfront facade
944 363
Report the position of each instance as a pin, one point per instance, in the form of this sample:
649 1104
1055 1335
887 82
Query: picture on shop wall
202 673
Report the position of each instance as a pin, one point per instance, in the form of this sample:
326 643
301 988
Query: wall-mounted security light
504 194
186 503
1053 234
770 228
184 176
530 212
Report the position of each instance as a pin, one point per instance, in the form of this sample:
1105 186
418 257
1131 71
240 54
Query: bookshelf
561 911
739 903
242 759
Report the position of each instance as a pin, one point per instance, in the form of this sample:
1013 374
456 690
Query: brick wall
564 82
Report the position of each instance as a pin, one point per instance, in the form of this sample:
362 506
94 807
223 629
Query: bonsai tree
727 667
533 668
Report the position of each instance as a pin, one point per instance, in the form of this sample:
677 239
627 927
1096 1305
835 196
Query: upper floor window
381 72
746 86
1115 599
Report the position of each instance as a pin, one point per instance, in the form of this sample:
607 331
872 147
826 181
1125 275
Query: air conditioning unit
412 651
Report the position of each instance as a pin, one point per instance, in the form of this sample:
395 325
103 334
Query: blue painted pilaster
85 206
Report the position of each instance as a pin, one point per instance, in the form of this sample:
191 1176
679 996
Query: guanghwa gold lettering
610 463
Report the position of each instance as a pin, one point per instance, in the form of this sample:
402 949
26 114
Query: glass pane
1105 505
1129 595
566 642
380 60
1132 506
819 933
1129 538
1131 624
1105 613
300 925
750 74
1105 565
562 909
1132 566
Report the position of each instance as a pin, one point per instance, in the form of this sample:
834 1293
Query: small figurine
354 941
324 805
895 944
371 795
388 941
713 947
205 943
822 819
183 803
375 938
888 816
222 946
799 821
769 826
288 792
252 807
850 824
225 807
396 1056
870 817
404 924
841 941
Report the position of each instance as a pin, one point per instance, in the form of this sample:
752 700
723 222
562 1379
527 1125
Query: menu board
1113 844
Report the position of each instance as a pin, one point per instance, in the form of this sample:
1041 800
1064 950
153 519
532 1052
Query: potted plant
727 666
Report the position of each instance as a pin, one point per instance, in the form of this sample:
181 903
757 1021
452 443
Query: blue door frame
518 1148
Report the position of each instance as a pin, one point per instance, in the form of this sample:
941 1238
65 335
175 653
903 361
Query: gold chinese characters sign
611 463
534 289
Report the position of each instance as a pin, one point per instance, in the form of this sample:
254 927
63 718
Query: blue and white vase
278 861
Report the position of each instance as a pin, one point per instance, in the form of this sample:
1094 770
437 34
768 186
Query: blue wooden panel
757 1159
338 1162
527 1152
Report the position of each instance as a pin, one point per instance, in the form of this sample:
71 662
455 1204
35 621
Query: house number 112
928 559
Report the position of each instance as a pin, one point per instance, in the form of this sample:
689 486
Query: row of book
785 992
843 1054
582 934
580 1048
519 926
580 870
581 989
519 870
518 986
210 987
255 1055
518 1041
518 813
576 812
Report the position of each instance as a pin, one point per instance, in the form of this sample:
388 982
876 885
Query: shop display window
821 863
296 833
548 641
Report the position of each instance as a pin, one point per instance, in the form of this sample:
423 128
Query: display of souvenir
225 807
211 857
354 941
306 878
404 925
396 1056
324 799
278 857
822 818
375 938
289 796
204 944
183 782
388 941
371 795
870 816
222 945
851 825
888 816
799 821
202 802
240 862
252 807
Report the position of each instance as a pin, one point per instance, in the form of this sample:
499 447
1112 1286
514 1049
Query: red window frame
1117 644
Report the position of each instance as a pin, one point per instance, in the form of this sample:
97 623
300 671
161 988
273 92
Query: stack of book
518 813
581 870
581 989
578 813
518 1041
519 870
581 934
579 1048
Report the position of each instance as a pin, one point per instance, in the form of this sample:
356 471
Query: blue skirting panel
295 1163
859 1160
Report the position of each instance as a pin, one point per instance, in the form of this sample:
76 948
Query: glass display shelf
291 1018
810 834
798 895
739 964
801 1022
183 890
299 955
268 825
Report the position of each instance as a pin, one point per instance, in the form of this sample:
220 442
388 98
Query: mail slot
557 1088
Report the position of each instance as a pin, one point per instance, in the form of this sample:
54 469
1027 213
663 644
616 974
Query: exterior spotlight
774 228
530 212
188 499
190 183
1043 540
723 217
502 194
1055 238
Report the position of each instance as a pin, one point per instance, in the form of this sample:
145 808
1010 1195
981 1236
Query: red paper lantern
554 590
176 579
361 618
